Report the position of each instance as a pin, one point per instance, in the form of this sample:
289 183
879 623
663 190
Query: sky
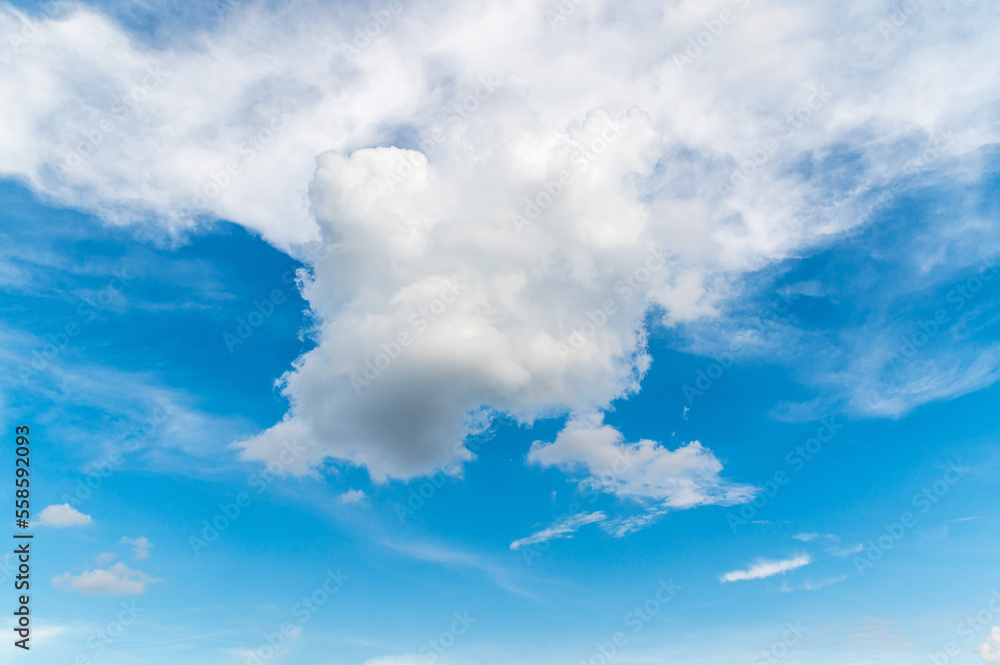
518 332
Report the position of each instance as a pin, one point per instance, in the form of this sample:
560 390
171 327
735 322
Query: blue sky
663 420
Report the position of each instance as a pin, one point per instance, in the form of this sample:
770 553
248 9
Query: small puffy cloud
646 470
989 650
62 515
119 579
764 568
806 537
106 557
140 545
564 528
353 496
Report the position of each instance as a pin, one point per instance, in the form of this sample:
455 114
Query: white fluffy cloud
434 303
119 579
724 164
989 650
765 568
62 514
645 470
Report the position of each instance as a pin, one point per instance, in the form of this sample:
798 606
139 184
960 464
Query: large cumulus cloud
712 144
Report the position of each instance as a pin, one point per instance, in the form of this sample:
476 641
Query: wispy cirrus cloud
808 585
764 568
449 556
564 528
833 545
